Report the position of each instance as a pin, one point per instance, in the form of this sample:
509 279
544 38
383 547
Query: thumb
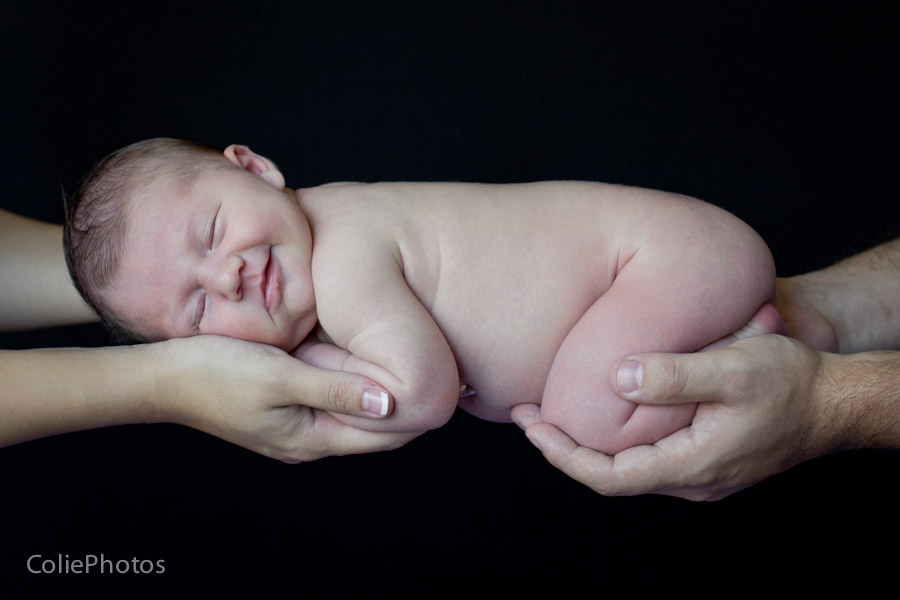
669 378
335 391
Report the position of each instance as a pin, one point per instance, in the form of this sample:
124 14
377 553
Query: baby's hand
324 355
465 390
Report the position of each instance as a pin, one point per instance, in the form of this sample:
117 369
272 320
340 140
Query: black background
784 114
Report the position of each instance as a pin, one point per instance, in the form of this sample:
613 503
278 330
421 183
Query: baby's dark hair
97 214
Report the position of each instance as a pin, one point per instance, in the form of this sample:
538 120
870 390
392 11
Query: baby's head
166 238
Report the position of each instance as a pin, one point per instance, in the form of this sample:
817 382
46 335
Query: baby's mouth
270 283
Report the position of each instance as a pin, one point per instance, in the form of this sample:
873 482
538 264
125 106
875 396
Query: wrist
72 389
857 401
164 370
831 419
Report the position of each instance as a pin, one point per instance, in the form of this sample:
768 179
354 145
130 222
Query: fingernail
375 402
630 376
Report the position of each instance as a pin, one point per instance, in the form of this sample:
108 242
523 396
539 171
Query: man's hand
757 416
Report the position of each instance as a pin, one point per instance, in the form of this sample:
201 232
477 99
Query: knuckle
604 486
613 480
604 490
698 496
338 396
618 489
296 452
673 378
303 455
708 484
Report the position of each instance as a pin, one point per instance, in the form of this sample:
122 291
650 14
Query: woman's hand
263 399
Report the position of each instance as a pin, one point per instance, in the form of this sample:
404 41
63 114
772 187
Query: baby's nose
223 277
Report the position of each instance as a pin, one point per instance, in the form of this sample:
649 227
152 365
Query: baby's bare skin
535 290
527 293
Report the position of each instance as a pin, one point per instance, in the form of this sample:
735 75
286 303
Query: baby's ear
255 163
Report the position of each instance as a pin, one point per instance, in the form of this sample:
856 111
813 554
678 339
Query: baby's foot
765 320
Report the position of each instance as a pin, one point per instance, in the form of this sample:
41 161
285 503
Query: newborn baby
525 293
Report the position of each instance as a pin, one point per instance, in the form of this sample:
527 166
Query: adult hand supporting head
261 398
757 416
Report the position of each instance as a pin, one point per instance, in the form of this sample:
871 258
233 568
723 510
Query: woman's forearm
37 291
52 391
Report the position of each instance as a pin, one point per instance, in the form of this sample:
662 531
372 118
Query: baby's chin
295 335
286 338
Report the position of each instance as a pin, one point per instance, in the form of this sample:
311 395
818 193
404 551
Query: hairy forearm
35 289
858 401
860 296
52 391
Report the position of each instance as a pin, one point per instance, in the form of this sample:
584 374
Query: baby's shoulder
367 216
340 184
343 201
350 228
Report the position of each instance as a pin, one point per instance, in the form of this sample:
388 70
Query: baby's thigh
697 275
643 311
578 397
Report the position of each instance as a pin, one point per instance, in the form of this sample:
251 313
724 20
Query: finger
587 466
326 436
525 415
322 355
662 468
670 467
638 470
672 378
335 391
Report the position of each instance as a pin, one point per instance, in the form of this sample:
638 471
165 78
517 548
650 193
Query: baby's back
504 270
539 288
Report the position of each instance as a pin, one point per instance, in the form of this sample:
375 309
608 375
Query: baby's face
229 255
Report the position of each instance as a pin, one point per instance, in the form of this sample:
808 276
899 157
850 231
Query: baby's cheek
244 327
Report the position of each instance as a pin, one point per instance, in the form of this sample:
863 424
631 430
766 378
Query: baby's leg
657 303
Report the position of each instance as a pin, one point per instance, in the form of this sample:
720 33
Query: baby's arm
368 309
688 274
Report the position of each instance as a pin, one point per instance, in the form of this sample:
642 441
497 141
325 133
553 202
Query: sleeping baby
522 293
